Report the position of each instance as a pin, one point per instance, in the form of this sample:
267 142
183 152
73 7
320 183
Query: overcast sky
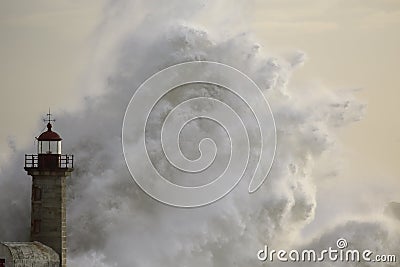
350 44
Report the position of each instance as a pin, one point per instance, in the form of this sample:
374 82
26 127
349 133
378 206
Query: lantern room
49 142
48 155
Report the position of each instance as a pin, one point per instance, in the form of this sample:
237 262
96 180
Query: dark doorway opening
2 263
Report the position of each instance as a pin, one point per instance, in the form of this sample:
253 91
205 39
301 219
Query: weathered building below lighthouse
23 254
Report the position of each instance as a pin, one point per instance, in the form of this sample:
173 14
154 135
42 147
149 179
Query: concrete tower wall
49 170
48 215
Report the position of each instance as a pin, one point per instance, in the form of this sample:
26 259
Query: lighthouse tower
49 170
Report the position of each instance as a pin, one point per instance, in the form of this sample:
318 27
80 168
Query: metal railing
31 161
63 161
66 161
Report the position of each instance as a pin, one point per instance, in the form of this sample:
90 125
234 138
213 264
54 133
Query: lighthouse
49 169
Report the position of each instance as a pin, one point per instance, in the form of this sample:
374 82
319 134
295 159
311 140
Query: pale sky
350 44
45 48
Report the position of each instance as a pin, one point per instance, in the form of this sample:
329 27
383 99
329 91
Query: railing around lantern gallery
31 161
63 161
66 161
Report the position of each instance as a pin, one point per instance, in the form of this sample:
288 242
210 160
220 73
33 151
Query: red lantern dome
49 135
